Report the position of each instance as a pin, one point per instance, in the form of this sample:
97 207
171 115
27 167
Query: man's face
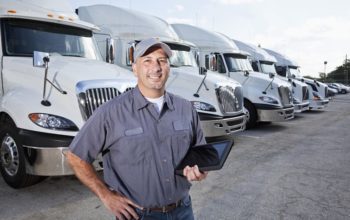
152 71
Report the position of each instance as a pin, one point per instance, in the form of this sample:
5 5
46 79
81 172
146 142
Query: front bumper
301 107
45 153
273 115
318 104
214 126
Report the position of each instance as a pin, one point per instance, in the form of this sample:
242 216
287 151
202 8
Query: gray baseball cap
145 44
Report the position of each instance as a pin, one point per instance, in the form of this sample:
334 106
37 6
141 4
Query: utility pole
346 71
325 74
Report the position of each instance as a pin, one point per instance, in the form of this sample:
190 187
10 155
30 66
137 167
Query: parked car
332 91
340 87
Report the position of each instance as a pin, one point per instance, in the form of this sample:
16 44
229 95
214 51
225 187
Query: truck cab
265 63
318 92
52 79
266 98
218 101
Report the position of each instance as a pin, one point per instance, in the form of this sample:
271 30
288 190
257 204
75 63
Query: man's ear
133 66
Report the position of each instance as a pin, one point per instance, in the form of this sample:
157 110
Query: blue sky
310 32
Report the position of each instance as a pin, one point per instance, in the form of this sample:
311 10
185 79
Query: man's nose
157 66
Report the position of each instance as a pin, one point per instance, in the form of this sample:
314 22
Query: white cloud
179 7
310 44
235 2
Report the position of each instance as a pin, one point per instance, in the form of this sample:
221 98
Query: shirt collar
140 101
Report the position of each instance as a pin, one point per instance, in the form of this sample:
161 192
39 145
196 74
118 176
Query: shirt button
164 160
167 180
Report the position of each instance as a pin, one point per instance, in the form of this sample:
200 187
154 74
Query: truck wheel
252 115
12 159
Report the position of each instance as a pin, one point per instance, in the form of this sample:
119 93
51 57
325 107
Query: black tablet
211 156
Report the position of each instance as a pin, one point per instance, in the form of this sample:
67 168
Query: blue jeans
182 212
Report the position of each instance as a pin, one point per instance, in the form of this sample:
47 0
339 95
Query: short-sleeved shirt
140 146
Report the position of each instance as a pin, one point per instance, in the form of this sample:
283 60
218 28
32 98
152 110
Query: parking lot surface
298 169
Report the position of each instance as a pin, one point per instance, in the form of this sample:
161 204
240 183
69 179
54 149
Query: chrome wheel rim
9 155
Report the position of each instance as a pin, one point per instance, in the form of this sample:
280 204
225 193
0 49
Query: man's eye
163 60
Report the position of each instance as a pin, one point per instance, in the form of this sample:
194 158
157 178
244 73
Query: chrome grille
286 96
91 99
230 100
305 93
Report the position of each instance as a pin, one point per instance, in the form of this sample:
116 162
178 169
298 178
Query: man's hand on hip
120 206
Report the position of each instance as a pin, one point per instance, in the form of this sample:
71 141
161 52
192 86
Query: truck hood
264 79
68 71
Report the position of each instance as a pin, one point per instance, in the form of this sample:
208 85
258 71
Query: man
142 134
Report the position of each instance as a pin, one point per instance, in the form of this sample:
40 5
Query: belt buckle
164 210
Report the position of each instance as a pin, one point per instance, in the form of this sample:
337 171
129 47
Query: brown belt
164 209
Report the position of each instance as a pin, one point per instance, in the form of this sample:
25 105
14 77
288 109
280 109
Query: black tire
12 156
252 118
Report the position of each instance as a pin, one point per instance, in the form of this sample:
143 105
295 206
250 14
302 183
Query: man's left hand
193 173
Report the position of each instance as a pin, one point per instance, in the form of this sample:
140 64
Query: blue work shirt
141 147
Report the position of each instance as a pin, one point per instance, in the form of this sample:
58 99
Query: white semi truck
318 92
218 101
52 79
266 98
263 62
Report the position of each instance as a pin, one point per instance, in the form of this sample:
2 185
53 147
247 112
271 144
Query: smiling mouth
155 77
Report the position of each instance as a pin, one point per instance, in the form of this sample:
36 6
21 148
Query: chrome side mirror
38 59
130 54
212 63
110 50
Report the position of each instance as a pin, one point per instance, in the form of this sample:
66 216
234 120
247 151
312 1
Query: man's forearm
87 175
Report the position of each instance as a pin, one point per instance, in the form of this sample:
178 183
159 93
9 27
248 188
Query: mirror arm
270 84
200 86
45 102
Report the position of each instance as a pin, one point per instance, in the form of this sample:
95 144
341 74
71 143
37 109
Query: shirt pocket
132 149
181 140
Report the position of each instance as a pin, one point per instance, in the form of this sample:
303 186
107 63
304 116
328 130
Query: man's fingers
126 214
133 204
132 212
193 173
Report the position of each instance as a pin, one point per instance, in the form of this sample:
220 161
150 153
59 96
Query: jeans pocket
186 201
140 213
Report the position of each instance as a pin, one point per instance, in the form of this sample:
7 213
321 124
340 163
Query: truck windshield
22 37
237 63
294 71
267 67
182 56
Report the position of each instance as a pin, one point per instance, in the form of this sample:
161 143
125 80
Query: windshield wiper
236 70
172 65
72 55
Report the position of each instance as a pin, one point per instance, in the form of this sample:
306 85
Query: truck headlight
53 122
268 99
203 106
